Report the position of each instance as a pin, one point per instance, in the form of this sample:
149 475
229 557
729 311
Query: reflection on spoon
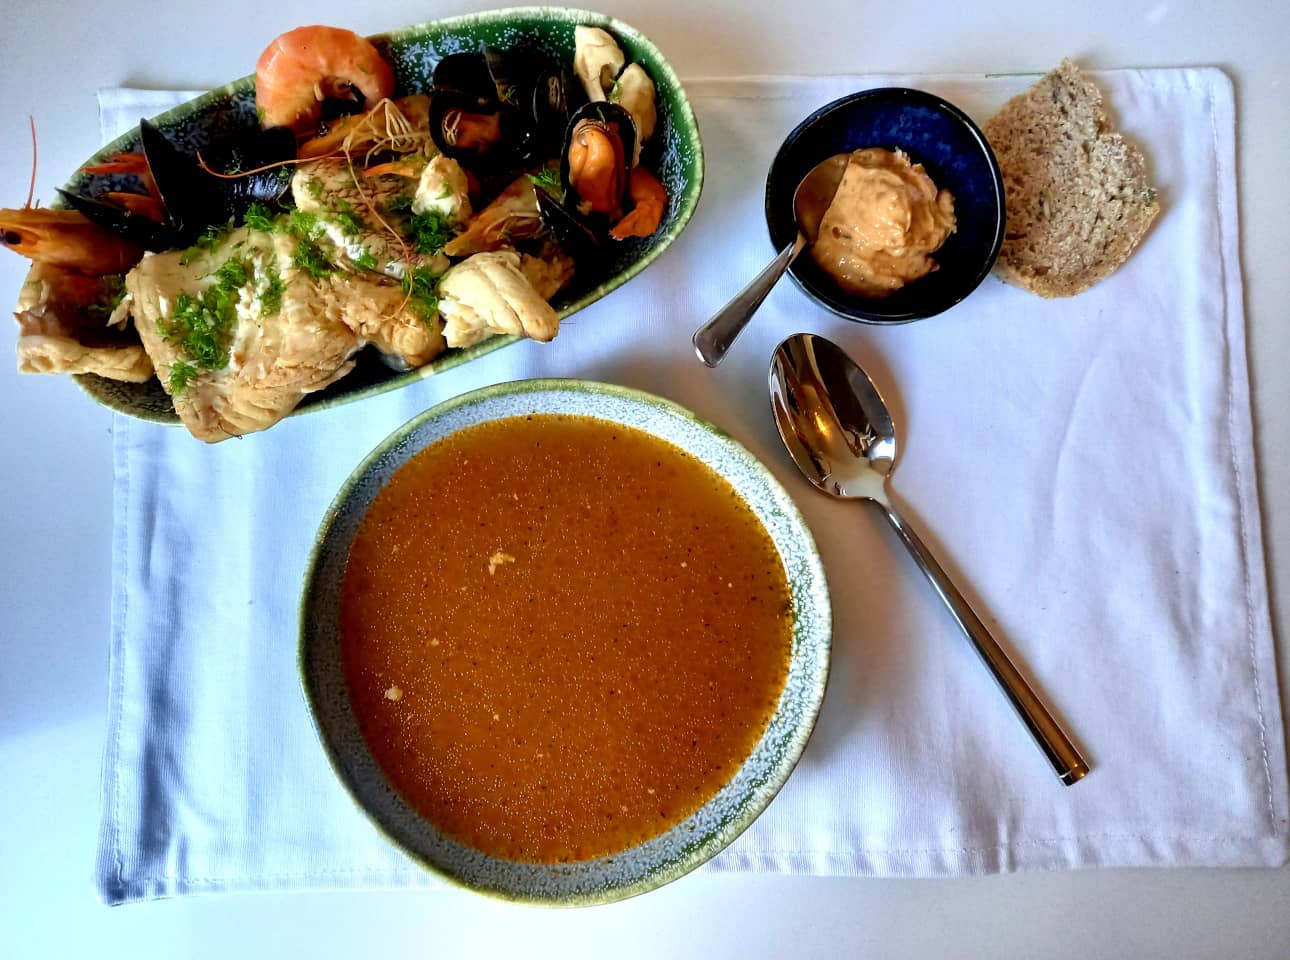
839 432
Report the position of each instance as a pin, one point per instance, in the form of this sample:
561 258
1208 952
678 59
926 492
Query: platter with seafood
357 214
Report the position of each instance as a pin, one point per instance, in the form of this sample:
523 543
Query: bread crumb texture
1078 200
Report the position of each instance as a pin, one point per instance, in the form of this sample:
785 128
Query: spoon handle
1061 753
714 338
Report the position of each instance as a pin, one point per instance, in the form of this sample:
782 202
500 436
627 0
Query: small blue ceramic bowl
955 154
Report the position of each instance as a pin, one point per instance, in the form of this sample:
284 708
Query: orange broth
561 636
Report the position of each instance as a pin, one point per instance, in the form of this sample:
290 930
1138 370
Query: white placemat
1085 466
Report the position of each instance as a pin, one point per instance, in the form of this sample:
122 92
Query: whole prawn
303 67
64 238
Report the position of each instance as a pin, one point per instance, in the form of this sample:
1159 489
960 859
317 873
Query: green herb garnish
547 178
201 327
181 374
347 218
302 224
422 288
206 243
234 273
112 292
365 260
400 204
430 231
259 217
271 295
309 255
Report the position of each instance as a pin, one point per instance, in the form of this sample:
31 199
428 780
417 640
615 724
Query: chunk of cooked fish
367 218
513 215
239 356
489 294
549 271
381 313
442 189
597 60
64 327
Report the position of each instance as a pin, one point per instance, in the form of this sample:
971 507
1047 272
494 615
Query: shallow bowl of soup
879 230
563 641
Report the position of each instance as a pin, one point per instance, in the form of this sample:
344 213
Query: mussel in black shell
500 109
541 94
572 231
477 134
596 160
155 235
233 173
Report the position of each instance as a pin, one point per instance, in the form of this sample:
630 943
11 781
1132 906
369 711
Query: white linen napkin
1085 467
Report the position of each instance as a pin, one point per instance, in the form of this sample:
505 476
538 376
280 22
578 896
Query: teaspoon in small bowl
839 432
810 200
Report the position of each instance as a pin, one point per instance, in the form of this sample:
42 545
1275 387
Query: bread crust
1078 200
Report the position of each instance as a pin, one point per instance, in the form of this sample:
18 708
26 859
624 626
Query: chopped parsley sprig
310 254
421 285
431 231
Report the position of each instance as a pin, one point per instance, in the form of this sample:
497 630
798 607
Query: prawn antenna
201 162
31 190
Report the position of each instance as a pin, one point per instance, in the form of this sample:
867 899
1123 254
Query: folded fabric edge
162 888
1129 852
108 868
1263 663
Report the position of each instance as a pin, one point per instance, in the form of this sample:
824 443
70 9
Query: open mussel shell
465 73
134 227
230 176
480 135
553 97
540 93
250 167
578 238
604 187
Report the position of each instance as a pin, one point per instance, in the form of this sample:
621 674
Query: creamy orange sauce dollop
884 222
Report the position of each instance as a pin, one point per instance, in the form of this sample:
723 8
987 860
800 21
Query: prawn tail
649 199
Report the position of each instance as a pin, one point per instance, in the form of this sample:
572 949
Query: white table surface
55 517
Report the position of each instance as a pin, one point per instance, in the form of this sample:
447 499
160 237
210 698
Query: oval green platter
691 842
674 153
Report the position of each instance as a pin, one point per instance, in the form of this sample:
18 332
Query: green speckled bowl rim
726 815
108 394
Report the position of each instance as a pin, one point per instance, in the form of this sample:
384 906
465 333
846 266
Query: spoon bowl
839 432
811 199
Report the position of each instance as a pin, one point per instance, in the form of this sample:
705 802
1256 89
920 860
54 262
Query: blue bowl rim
851 310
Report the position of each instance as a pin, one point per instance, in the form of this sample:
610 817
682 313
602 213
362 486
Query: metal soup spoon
839 431
810 200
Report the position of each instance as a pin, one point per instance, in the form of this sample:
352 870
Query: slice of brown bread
1077 195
